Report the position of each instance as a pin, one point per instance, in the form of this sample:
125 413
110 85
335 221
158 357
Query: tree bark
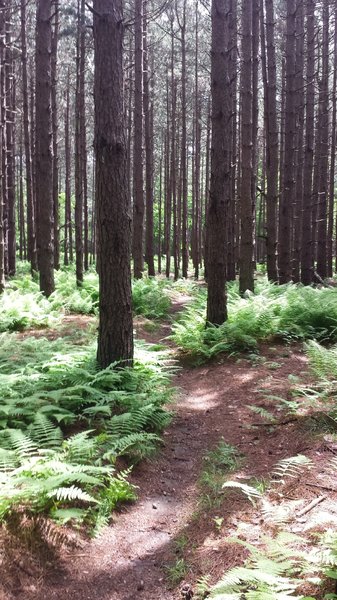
216 217
138 177
246 205
43 150
115 337
307 240
287 198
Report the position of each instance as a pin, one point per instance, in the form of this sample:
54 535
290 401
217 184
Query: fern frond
66 494
252 493
291 467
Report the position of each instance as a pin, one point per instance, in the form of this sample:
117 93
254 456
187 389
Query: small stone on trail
154 506
140 586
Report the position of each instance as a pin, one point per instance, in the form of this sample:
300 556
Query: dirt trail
128 560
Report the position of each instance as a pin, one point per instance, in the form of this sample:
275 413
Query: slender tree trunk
216 218
115 337
287 199
44 158
307 230
54 49
31 233
149 252
83 140
10 143
183 159
272 143
324 150
2 140
299 111
233 76
332 154
246 208
160 213
68 238
138 178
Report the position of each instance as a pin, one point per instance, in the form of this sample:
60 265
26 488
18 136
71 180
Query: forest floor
178 529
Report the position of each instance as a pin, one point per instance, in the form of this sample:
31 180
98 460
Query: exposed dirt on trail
130 558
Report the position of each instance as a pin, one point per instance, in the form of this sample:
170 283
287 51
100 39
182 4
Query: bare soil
173 518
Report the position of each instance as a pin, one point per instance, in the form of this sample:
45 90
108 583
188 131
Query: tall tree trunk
10 143
246 207
324 149
138 177
299 111
79 191
149 252
68 237
44 157
307 239
54 48
272 142
332 154
115 336
233 76
83 140
287 198
183 158
216 217
31 233
2 140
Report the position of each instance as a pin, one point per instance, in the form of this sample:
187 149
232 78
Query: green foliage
48 390
150 298
289 312
217 464
23 306
278 569
268 575
177 571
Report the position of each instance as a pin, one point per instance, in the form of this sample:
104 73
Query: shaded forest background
279 117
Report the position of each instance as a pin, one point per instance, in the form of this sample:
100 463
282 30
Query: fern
269 573
291 467
252 493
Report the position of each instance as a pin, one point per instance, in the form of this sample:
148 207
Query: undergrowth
281 565
22 305
287 312
63 424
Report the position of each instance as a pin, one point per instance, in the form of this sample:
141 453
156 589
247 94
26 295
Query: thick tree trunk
216 218
115 337
43 150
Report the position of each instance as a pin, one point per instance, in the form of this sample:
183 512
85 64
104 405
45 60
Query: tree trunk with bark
216 217
138 176
246 204
43 147
115 337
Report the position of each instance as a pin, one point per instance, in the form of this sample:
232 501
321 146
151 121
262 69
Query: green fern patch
63 424
288 312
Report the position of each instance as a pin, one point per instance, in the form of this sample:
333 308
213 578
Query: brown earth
172 523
